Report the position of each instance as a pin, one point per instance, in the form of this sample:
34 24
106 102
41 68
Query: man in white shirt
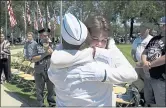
28 46
138 47
140 43
84 82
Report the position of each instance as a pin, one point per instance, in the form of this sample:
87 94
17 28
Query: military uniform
41 76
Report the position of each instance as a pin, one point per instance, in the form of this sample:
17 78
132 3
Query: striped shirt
5 49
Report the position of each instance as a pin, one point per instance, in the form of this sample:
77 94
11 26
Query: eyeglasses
100 40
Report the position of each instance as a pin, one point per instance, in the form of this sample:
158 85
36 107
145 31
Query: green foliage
143 11
57 31
126 49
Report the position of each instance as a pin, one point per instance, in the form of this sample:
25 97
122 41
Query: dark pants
4 67
154 92
41 78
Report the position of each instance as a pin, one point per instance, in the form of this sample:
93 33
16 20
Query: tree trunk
46 17
81 11
131 27
125 26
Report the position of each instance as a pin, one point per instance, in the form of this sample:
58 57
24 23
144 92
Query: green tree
146 11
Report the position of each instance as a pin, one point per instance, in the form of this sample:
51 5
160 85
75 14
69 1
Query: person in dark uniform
41 56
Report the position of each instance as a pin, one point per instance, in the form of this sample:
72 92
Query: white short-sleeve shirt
139 45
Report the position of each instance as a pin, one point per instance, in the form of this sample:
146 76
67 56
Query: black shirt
156 49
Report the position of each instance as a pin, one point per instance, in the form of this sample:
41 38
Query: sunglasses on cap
44 35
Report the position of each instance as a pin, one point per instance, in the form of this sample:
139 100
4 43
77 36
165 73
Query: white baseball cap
74 31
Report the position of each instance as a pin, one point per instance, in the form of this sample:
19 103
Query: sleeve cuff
100 76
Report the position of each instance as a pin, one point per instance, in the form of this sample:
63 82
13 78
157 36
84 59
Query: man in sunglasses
41 56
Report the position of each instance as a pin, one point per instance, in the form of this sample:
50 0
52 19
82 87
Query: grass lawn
25 96
16 47
31 98
126 50
23 93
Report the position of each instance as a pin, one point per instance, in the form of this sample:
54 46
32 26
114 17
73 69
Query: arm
133 52
35 55
121 72
144 56
146 64
133 49
37 58
106 74
158 62
71 57
6 49
114 57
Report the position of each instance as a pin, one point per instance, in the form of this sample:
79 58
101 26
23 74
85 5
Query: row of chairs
24 72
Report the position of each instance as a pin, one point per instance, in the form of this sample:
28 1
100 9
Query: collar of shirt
145 37
30 41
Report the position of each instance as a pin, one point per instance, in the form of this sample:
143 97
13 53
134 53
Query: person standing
82 79
153 59
2 76
4 57
99 33
41 56
28 46
138 47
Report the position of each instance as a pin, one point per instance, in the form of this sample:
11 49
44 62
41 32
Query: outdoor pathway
10 99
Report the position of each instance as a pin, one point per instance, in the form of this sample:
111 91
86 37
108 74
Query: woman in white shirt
83 79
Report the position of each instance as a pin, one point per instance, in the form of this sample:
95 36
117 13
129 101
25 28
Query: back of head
145 25
74 32
145 29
